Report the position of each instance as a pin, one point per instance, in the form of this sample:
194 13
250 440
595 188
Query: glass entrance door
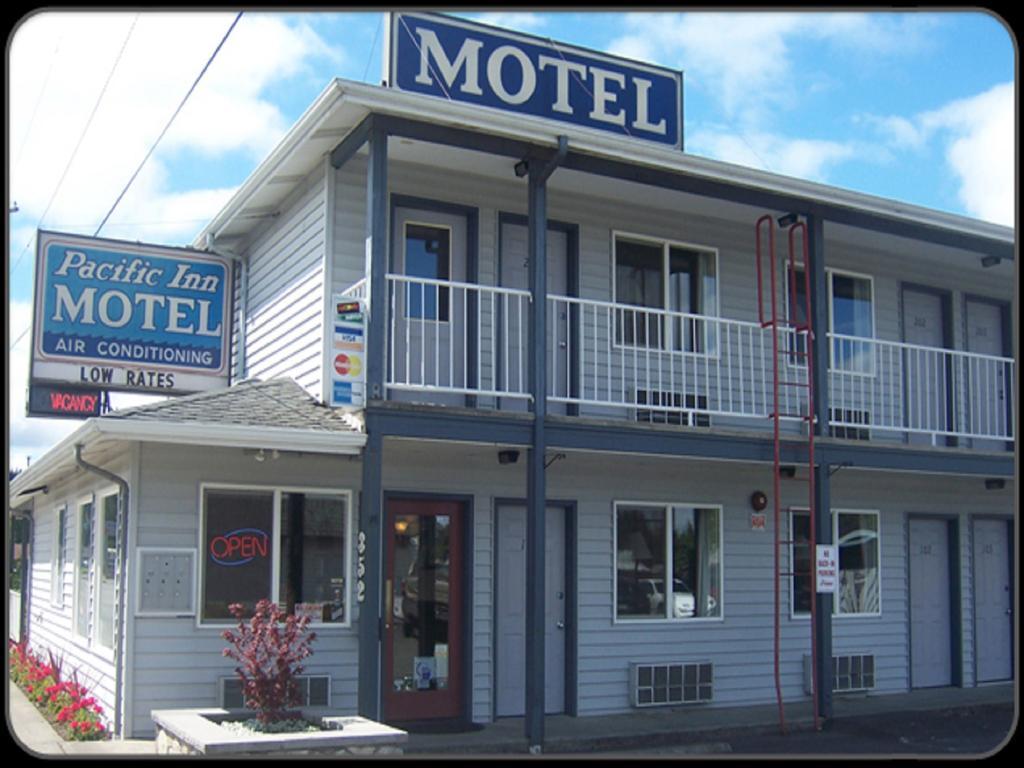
423 653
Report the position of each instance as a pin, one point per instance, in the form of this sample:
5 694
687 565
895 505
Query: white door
930 615
429 353
515 274
510 609
993 625
987 380
927 405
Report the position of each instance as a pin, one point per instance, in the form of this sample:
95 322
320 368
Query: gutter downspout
243 315
243 300
122 544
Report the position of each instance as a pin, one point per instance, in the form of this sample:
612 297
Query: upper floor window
677 282
851 316
668 561
288 546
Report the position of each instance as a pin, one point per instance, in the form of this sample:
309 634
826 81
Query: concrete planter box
198 732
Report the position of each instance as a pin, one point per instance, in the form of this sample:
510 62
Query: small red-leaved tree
269 648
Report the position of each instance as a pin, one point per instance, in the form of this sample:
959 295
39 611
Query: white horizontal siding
284 326
174 662
51 627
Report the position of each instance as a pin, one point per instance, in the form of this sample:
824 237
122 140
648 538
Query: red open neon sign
239 547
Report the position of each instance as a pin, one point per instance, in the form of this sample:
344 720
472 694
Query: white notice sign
826 568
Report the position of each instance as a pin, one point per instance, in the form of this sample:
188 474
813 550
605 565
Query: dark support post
822 478
369 539
536 480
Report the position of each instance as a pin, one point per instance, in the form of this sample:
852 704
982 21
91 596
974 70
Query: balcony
448 340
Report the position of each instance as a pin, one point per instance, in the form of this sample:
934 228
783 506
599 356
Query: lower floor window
668 561
288 546
856 536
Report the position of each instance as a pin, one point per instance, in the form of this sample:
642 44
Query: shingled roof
280 403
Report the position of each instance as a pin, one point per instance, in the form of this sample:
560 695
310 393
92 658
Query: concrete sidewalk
694 727
34 734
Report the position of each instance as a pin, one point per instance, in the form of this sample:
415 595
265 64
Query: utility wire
376 35
35 109
169 122
81 138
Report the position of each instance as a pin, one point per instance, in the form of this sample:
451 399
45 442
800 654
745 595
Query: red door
423 649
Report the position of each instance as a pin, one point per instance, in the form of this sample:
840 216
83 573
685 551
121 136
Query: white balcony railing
938 393
457 337
670 362
465 338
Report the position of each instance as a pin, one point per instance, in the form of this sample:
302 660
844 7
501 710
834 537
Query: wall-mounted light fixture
508 457
788 471
522 168
788 220
994 483
990 261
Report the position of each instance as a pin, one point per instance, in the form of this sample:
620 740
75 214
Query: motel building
533 412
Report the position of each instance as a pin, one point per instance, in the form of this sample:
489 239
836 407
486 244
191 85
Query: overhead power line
81 138
169 122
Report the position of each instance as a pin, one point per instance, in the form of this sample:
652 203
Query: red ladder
801 331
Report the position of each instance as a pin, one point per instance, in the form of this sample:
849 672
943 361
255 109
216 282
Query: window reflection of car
410 601
645 597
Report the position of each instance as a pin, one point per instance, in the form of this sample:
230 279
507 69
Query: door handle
388 604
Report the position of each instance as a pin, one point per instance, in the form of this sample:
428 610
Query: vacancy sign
826 568
130 317
348 348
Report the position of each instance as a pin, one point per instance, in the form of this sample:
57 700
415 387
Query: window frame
78 636
277 492
406 313
667 345
830 273
58 560
99 554
667 507
834 515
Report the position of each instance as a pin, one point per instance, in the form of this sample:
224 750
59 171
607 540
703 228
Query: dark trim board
693 184
573 433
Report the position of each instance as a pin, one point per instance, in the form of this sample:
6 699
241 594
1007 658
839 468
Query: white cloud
744 61
165 52
26 437
977 137
980 150
58 63
801 158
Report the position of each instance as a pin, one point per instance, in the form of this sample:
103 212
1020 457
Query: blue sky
916 107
